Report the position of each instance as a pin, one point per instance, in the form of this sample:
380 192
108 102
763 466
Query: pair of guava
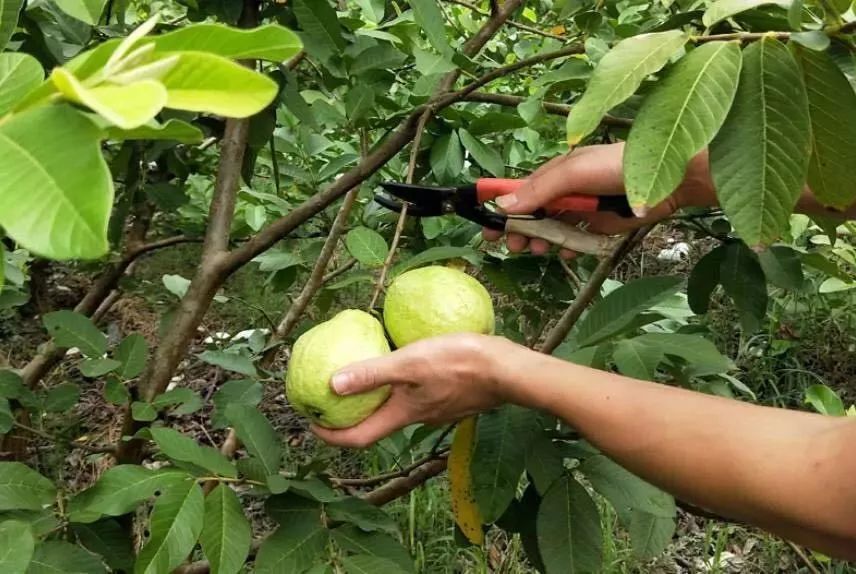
420 303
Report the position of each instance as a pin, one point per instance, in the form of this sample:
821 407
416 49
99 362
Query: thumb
364 376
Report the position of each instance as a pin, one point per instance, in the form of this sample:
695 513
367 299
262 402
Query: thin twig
387 476
512 23
572 275
338 271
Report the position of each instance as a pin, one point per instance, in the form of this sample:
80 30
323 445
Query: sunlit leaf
175 130
19 73
824 400
367 246
722 9
226 532
267 42
88 11
9 10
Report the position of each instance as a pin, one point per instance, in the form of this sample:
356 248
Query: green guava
435 300
348 337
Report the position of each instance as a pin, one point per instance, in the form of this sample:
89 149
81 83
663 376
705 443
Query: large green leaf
743 280
175 524
722 9
9 10
485 156
544 462
268 42
108 539
568 529
432 254
257 434
824 400
88 11
499 457
56 191
201 82
119 490
634 358
359 102
226 533
175 130
240 392
352 539
650 534
321 34
60 557
618 75
703 280
618 309
184 449
429 19
702 356
16 546
132 354
42 522
367 246
447 157
678 120
19 73
23 488
760 157
295 546
357 511
832 110
71 329
782 266
626 491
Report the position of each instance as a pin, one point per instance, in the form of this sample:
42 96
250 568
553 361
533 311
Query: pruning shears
469 201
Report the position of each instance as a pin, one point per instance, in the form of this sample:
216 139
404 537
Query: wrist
509 366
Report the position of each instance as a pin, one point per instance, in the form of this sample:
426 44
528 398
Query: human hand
434 381
596 170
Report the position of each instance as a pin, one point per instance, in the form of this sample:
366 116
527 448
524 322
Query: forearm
786 471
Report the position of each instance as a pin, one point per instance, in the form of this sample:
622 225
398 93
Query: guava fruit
436 300
348 337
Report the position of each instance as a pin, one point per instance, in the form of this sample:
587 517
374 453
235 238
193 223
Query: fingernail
505 201
342 383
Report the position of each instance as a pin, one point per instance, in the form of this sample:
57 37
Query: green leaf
22 488
381 57
618 75
703 280
174 130
184 400
288 507
493 122
367 246
429 63
782 267
543 462
433 254
119 491
618 309
568 528
200 82
125 106
362 514
240 392
70 329
702 356
743 280
143 411
59 557
359 102
322 34
824 400
499 458
9 10
230 361
62 397
485 156
175 524
42 522
7 417
722 9
257 435
226 532
367 564
352 539
313 488
115 392
626 491
813 40
429 18
93 368
269 42
294 547
372 10
649 534
184 449
678 120
132 354
16 546
53 206
832 110
635 358
447 157
108 539
88 11
19 73
759 159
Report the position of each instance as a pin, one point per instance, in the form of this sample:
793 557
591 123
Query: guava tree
260 130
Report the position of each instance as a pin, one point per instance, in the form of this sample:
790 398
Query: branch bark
549 107
512 23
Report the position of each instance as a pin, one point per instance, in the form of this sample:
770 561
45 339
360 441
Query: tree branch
401 486
381 478
549 107
511 23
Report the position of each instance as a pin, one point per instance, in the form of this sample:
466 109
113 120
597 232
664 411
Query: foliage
127 127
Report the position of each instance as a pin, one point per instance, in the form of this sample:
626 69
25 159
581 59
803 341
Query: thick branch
381 478
402 486
512 23
549 107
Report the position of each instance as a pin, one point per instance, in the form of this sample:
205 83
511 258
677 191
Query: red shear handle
491 188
